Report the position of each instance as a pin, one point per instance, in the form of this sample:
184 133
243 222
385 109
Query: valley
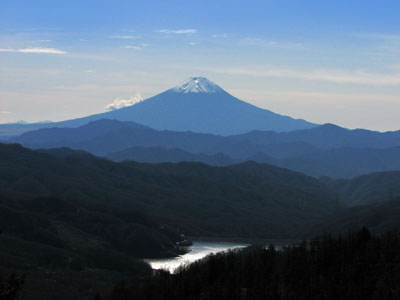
89 204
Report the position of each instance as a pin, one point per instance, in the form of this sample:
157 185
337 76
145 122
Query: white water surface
198 251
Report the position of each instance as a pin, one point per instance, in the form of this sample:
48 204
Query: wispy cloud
313 97
179 31
223 36
259 42
383 45
4 112
35 50
194 43
379 36
124 37
336 76
137 47
133 47
121 103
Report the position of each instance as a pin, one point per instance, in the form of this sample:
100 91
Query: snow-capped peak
197 85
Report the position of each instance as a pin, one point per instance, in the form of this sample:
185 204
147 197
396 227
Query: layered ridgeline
367 189
77 223
373 201
248 199
197 105
326 150
380 218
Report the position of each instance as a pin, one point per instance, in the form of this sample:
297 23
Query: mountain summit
199 105
197 85
196 105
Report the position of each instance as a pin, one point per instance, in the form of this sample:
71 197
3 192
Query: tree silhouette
11 285
357 266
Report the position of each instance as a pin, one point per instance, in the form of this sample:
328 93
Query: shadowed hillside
269 200
355 266
68 215
367 189
378 218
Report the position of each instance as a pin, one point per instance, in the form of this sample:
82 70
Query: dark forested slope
242 200
75 222
378 218
356 266
366 189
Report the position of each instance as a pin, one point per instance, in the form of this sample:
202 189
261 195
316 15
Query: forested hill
71 218
367 189
379 217
242 200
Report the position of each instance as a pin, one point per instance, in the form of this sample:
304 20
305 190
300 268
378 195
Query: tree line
356 266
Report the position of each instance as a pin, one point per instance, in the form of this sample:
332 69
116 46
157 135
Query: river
197 251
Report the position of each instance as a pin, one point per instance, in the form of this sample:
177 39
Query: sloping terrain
78 223
378 217
367 189
242 200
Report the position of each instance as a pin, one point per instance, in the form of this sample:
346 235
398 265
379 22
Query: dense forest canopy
355 266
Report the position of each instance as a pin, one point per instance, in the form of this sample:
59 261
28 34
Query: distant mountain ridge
173 155
315 151
196 105
367 189
326 136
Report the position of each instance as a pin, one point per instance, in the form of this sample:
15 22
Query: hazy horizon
323 62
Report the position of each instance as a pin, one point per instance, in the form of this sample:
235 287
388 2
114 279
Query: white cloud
249 41
330 75
121 103
137 47
124 37
180 31
316 97
194 43
35 50
4 112
133 47
223 36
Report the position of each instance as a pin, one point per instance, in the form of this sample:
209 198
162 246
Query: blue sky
324 61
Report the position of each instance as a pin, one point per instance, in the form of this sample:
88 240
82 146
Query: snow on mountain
196 105
197 85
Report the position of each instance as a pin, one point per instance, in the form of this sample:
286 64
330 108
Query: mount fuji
196 105
199 105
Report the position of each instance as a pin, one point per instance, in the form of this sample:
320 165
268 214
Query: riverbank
198 250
